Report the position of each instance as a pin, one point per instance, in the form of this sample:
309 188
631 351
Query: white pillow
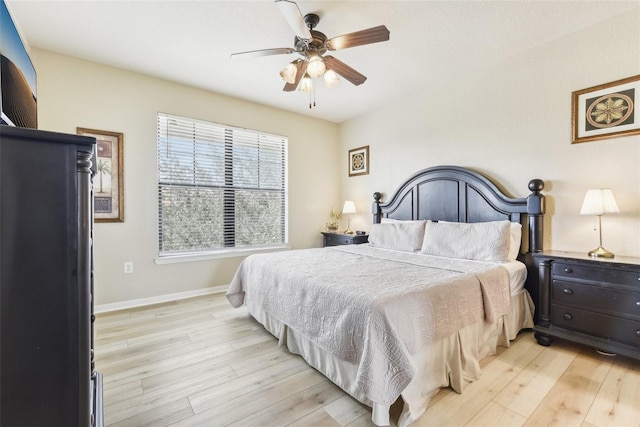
515 240
483 241
400 236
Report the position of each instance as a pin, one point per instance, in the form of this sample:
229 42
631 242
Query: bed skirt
450 362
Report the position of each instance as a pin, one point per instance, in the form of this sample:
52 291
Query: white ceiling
191 41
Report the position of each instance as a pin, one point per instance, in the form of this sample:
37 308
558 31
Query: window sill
204 256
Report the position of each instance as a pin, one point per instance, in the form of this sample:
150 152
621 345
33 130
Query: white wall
512 121
75 93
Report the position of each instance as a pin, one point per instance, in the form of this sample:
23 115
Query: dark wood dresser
338 239
46 281
592 301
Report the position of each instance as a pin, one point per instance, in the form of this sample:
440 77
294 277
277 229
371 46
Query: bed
441 284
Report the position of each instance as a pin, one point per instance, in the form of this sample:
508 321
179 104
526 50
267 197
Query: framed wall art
359 161
606 111
108 194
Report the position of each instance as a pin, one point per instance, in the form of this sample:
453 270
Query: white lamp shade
598 202
331 79
349 207
289 72
306 85
316 67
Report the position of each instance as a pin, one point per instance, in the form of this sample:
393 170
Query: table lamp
349 208
599 202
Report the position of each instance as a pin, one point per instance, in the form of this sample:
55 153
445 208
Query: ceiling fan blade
302 68
359 38
262 52
294 18
344 70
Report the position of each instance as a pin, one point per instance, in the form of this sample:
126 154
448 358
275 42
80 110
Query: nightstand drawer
600 325
595 274
336 240
597 298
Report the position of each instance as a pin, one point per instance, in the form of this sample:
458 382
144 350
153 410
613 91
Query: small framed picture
606 111
359 161
108 191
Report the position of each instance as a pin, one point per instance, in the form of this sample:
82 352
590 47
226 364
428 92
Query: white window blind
219 187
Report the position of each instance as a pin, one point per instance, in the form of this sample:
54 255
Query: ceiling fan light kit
311 45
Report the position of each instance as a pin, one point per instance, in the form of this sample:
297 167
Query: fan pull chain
312 97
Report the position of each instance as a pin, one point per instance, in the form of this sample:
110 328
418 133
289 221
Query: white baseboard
141 302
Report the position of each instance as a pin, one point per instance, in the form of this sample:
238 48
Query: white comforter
372 307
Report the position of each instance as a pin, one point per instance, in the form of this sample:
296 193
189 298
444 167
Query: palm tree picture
108 198
104 168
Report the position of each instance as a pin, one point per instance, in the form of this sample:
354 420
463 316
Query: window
219 187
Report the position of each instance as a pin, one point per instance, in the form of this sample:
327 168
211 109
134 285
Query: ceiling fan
312 45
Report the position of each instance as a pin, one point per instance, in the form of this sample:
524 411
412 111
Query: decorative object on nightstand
599 202
349 208
333 225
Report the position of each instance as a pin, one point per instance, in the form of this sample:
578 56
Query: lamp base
348 230
601 252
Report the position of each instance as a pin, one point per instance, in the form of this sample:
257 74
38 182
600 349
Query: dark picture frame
108 184
359 161
606 111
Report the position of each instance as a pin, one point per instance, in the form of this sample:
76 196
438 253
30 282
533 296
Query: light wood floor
200 362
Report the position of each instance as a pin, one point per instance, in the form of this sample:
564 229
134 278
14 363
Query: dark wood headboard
457 194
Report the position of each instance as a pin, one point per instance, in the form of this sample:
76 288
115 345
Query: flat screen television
18 101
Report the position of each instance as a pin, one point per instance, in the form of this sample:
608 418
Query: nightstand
337 239
592 301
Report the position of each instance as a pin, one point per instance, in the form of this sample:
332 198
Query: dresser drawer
601 325
597 298
595 274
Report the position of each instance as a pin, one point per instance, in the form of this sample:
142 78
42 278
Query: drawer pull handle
567 316
638 304
638 333
568 270
569 292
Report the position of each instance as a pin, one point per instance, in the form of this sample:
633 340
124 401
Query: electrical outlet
128 267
